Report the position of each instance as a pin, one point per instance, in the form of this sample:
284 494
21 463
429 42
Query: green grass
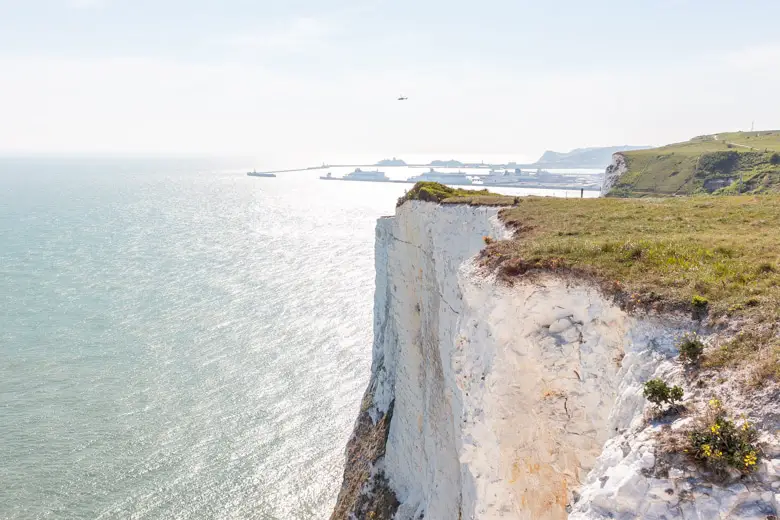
710 256
757 140
439 193
702 164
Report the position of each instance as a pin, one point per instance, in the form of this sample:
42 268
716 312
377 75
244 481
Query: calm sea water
180 345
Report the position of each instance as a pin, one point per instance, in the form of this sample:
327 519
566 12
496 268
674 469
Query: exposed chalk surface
523 402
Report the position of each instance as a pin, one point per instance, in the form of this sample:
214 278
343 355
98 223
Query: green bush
691 348
436 192
658 392
718 162
675 394
720 443
699 302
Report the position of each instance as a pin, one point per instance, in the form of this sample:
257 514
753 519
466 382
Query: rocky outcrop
617 167
523 402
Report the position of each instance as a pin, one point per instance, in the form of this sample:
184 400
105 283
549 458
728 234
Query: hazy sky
292 81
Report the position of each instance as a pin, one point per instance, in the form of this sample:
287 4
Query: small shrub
699 302
436 192
775 158
691 348
675 394
720 443
658 392
487 240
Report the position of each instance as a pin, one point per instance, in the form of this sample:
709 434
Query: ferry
360 175
459 179
507 177
254 173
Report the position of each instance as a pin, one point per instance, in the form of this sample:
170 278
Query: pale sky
301 81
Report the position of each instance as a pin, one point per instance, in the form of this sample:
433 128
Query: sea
179 341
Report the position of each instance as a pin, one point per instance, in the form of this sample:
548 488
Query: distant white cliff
616 168
490 401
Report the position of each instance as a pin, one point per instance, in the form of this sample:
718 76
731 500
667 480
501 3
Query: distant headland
579 158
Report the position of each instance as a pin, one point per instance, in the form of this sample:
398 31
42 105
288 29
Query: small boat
254 173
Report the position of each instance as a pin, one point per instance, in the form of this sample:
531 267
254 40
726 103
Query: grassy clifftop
729 163
715 257
712 256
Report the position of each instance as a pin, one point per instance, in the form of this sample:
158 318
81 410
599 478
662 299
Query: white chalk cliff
614 171
490 401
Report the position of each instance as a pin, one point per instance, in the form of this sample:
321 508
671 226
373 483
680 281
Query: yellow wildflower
714 403
717 454
715 428
745 426
707 449
751 459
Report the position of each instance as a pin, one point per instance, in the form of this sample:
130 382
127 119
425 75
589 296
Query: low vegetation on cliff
710 256
659 393
435 192
719 442
730 163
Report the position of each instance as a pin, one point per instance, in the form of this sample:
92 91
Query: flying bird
402 98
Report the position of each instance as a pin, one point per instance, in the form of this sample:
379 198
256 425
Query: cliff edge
508 385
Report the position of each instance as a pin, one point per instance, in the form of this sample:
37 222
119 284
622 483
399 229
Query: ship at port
254 173
507 177
518 176
360 175
456 179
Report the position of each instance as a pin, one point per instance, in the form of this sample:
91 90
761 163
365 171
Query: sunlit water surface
180 345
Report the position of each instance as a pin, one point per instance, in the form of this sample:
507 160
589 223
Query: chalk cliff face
616 168
488 401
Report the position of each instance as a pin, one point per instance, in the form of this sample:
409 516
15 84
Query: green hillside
729 163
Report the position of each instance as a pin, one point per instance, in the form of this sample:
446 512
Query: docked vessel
254 173
507 177
518 177
361 175
458 179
